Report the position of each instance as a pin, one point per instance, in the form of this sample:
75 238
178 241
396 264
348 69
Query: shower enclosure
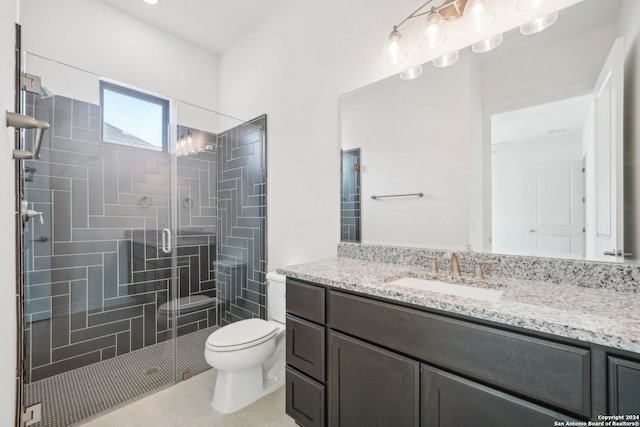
147 232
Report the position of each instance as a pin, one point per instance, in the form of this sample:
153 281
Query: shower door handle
166 240
21 121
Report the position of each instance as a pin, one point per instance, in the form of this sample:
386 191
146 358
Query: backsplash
590 274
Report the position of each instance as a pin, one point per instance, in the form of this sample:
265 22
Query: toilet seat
243 334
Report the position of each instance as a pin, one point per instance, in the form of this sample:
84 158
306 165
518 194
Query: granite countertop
600 316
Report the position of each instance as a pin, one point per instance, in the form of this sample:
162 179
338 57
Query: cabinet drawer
305 399
451 401
305 347
624 386
556 374
306 301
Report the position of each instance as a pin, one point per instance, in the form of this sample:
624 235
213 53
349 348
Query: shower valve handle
30 213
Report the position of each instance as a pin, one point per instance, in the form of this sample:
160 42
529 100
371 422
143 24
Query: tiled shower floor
82 393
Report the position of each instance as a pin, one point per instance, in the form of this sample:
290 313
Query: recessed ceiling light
150 1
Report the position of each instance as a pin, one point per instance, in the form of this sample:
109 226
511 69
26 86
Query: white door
607 208
556 215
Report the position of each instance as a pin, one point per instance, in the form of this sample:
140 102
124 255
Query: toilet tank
276 297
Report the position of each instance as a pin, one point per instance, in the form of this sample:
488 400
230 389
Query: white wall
8 10
411 143
97 38
293 67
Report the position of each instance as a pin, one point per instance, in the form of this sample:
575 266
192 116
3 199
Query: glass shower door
101 276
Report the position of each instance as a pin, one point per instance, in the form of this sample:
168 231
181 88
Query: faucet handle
479 274
434 264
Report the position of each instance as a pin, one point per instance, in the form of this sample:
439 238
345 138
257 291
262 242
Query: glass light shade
393 50
411 73
528 5
539 24
446 60
477 16
488 44
433 33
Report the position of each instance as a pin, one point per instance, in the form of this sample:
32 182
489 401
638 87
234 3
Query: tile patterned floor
188 404
77 395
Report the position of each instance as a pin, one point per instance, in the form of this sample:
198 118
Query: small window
134 118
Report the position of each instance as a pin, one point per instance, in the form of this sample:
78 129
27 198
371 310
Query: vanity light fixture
539 24
150 1
432 32
477 16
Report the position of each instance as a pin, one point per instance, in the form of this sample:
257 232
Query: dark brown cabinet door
624 387
452 401
305 399
369 386
305 347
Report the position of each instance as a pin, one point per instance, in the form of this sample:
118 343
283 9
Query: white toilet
249 354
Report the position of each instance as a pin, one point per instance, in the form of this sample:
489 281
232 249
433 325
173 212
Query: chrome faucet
455 267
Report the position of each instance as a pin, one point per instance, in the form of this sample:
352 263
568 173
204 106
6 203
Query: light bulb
394 52
433 33
477 16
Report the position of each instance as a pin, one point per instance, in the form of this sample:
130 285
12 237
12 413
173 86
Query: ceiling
212 25
565 118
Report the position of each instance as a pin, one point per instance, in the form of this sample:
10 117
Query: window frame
133 93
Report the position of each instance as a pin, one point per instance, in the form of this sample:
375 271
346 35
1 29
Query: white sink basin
491 295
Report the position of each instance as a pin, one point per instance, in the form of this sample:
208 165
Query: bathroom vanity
364 351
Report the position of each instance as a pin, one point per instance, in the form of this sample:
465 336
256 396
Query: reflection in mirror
537 178
350 196
529 149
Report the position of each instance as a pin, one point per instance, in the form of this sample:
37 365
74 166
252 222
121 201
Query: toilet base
236 389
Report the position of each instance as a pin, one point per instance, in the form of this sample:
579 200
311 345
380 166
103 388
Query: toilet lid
242 334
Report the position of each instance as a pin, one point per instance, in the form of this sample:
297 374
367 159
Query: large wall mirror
529 149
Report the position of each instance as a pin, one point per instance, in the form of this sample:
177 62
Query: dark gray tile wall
241 201
95 275
350 196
